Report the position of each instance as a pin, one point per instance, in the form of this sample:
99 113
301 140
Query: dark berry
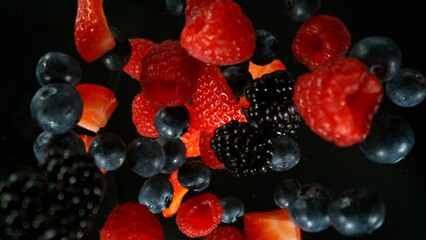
57 67
176 7
172 122
194 175
233 209
145 157
242 148
389 141
238 79
156 193
175 153
357 212
271 103
56 108
119 56
286 153
407 88
266 49
285 192
381 55
300 10
108 151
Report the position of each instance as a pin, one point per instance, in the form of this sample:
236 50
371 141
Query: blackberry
271 103
242 148
57 201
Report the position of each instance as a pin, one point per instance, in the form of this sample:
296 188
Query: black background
30 28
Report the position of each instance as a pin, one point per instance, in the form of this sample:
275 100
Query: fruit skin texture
143 112
272 225
140 47
321 39
93 37
338 101
199 215
219 33
132 221
207 154
225 233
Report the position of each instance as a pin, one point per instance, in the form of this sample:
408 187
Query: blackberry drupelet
271 103
242 148
57 201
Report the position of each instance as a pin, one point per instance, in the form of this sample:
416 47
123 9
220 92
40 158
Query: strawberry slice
143 113
99 103
140 47
272 225
225 232
86 140
258 71
207 153
92 35
191 140
178 194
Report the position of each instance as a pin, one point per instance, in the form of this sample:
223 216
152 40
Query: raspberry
143 112
225 232
218 33
321 39
199 215
140 47
132 221
194 6
167 74
338 100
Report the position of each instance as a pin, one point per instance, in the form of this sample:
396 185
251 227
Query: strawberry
92 35
225 233
199 215
86 140
178 194
207 154
99 103
132 221
191 140
140 47
143 112
271 225
218 33
338 100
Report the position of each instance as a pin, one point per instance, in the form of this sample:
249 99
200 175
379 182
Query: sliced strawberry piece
272 225
225 233
99 103
143 113
191 139
140 47
178 194
207 154
93 37
258 71
199 215
86 140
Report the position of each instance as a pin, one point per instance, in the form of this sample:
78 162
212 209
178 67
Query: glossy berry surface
140 47
389 141
238 79
56 108
145 157
194 175
119 56
175 153
300 10
233 209
266 49
156 193
58 67
172 122
382 56
285 192
286 153
176 7
225 232
108 150
357 212
143 114
407 88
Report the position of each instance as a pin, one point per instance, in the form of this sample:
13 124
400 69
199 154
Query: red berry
225 233
143 112
132 221
191 140
92 35
199 215
99 103
207 153
167 74
338 100
195 6
140 47
178 193
86 140
321 39
219 33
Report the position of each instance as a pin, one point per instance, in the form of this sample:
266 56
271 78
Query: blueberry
194 175
145 157
58 67
65 145
300 10
381 55
56 107
172 122
108 150
119 56
266 49
286 153
233 209
309 209
156 193
407 88
389 141
285 192
176 7
356 212
238 79
175 153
